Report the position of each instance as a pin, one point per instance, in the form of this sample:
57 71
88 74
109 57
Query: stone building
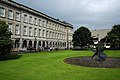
98 35
31 28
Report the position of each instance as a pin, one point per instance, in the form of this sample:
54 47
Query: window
17 16
53 26
25 18
47 34
58 36
43 33
39 32
17 30
35 32
10 27
35 21
62 36
57 27
39 22
10 14
53 35
64 29
60 28
30 19
50 34
44 24
30 31
47 25
25 30
2 12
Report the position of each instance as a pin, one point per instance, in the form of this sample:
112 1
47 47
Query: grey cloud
95 14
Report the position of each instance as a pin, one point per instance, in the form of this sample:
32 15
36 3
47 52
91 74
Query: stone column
41 43
37 44
21 42
33 43
21 30
27 43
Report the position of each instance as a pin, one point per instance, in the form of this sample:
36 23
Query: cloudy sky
94 14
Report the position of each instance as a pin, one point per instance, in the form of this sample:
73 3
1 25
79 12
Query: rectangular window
25 18
43 33
50 34
17 30
47 34
10 14
10 27
25 30
49 25
30 19
44 24
53 26
35 21
30 31
39 33
2 12
35 32
39 22
53 35
17 16
58 36
58 28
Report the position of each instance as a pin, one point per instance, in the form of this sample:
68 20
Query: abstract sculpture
99 51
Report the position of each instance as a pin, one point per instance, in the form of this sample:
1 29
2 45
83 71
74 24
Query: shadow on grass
10 57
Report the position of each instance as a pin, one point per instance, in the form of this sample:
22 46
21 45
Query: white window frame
25 18
30 31
35 31
47 34
35 21
39 33
25 30
17 17
10 27
2 11
17 29
30 19
50 34
43 33
10 14
39 22
44 23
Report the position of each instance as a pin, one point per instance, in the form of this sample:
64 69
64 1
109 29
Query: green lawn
50 66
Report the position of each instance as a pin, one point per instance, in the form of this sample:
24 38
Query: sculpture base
110 62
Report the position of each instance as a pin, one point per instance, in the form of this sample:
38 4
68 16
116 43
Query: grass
50 66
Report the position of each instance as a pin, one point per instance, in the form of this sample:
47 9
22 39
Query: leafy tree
81 37
113 37
5 38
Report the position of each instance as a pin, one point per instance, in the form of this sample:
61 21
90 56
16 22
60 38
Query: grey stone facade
32 28
98 35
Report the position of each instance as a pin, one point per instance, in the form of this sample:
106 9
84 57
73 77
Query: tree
81 37
113 37
5 39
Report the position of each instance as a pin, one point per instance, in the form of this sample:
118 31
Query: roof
21 6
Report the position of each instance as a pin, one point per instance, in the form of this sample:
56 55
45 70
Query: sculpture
99 51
